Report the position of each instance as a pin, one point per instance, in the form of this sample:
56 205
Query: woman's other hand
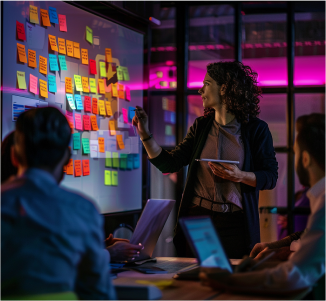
140 121
226 171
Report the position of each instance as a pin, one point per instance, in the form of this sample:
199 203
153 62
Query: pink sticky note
20 31
62 22
125 115
33 84
87 123
70 119
78 122
127 93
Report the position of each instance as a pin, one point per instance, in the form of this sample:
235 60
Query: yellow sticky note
78 83
102 69
112 127
114 178
21 53
92 84
21 80
108 108
115 90
33 14
76 50
107 177
101 106
101 86
32 58
53 43
85 84
43 65
43 88
84 54
70 48
68 84
108 55
62 46
120 142
45 17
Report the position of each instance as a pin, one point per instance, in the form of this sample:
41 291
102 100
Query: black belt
215 206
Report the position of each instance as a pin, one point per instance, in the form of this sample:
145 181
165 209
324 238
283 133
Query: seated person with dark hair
51 238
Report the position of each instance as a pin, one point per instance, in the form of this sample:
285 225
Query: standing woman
229 130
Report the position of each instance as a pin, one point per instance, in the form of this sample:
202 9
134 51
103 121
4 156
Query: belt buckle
226 208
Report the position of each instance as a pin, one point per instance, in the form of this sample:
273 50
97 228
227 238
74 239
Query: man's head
42 138
309 147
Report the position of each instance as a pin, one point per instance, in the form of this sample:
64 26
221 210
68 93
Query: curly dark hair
242 92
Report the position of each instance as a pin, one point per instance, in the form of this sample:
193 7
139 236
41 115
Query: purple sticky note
125 115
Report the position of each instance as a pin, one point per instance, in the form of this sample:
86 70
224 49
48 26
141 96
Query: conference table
174 289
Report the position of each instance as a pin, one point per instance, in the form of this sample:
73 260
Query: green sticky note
89 35
71 101
102 69
108 159
115 160
114 178
21 80
78 82
123 161
86 149
130 161
92 85
62 62
125 73
119 73
76 140
107 177
168 130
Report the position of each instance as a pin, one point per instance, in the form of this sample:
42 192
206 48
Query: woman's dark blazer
259 159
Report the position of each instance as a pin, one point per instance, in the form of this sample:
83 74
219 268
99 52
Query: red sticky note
86 170
87 104
78 122
20 31
127 93
33 84
62 22
78 171
92 67
70 167
125 115
87 123
94 100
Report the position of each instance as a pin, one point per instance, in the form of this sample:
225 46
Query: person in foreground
52 239
307 265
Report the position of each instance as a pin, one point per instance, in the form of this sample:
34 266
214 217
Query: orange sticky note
85 84
78 171
43 65
94 123
84 53
68 84
94 105
101 86
101 144
108 108
70 48
70 167
43 88
108 55
121 94
33 14
86 171
112 127
62 46
32 58
114 90
53 43
21 53
120 142
76 50
45 17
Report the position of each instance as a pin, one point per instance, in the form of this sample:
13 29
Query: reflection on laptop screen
207 244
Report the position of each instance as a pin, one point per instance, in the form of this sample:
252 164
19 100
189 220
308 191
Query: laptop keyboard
172 266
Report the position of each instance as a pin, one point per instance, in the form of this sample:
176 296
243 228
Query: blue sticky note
130 161
52 83
136 161
53 62
79 102
131 113
76 140
53 15
62 61
173 117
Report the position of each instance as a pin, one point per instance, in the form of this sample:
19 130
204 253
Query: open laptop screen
206 242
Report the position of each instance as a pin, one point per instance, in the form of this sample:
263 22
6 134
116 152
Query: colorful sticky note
53 62
87 104
119 73
125 73
130 161
86 171
20 29
94 105
108 159
114 90
84 54
45 17
85 84
52 83
102 69
53 43
62 46
70 119
71 101
33 14
121 94
78 83
21 53
68 84
94 123
89 35
32 58
78 122
123 161
76 50
112 127
79 103
125 115
70 48
115 159
107 177
70 167
76 140
127 93
108 55
21 80
85 143
33 83
131 113
136 161
92 85
43 65
53 15
101 86
92 67
78 171
114 178
87 123
120 142
108 108
62 22
101 144
62 61
101 107
43 88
